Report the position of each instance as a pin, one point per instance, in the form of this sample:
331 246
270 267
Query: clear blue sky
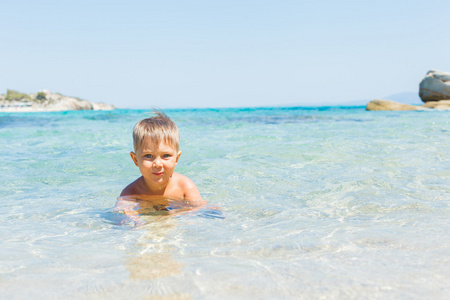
221 53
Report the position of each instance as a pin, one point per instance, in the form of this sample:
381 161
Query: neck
155 189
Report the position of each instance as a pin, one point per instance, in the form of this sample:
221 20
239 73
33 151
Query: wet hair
157 128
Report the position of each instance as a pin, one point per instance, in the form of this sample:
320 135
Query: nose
157 163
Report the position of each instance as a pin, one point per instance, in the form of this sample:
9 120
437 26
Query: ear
178 156
134 158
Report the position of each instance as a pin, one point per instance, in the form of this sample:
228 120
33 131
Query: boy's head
159 128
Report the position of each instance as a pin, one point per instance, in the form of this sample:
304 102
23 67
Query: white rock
435 86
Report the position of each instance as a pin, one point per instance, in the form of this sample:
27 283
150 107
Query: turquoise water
304 203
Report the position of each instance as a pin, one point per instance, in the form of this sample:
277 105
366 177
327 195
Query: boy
156 153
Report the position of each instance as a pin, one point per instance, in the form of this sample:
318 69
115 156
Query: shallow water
333 203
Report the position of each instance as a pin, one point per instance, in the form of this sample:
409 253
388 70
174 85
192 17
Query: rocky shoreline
434 90
44 101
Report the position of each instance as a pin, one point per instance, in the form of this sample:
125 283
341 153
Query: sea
303 203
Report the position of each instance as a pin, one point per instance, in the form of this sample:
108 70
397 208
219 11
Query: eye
167 155
148 156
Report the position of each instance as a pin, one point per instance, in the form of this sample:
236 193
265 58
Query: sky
221 53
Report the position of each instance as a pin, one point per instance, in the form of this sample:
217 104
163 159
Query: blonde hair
157 128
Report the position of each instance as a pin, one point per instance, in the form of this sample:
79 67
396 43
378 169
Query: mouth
157 173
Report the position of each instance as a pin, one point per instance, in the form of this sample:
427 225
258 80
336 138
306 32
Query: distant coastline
44 101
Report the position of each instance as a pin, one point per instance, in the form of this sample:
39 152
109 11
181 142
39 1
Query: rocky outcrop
435 86
45 101
434 90
380 104
392 105
439 105
59 102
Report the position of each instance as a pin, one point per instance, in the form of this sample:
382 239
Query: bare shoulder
183 181
188 187
132 188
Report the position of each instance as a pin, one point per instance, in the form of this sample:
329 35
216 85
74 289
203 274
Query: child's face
156 162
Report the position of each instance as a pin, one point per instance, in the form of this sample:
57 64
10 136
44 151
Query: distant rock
434 90
45 101
380 104
435 86
439 105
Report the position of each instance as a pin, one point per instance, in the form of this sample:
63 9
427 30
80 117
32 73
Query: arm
191 193
129 207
